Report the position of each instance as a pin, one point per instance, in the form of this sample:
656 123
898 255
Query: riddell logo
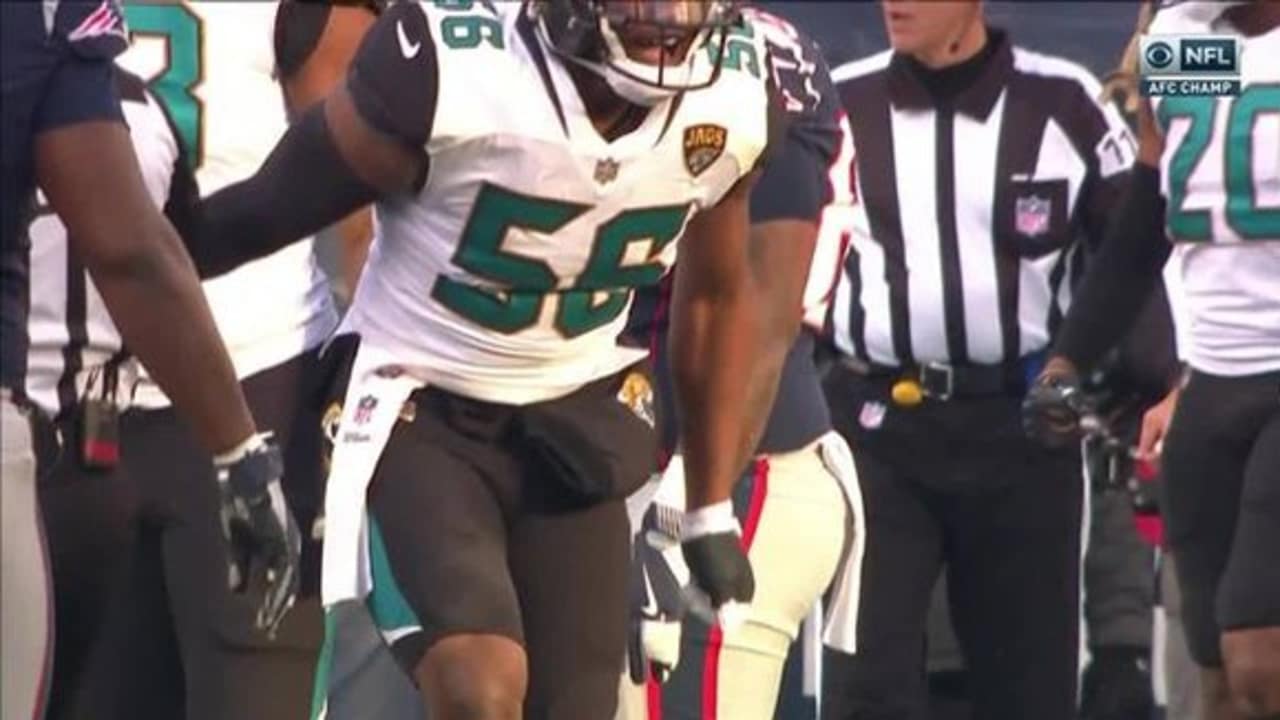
105 20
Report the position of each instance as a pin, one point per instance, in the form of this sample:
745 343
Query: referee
982 176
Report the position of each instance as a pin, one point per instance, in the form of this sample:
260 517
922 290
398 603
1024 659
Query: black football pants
957 484
145 625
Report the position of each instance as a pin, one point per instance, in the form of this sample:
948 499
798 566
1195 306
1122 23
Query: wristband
242 448
709 520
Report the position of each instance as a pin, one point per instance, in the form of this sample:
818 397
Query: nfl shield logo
364 409
1031 215
872 415
606 170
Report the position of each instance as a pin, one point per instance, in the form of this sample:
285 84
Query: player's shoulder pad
395 75
796 63
804 103
92 30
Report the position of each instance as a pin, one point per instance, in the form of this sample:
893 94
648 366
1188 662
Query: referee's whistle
907 393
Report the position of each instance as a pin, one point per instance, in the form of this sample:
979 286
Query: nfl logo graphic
606 171
1031 215
703 145
872 414
364 409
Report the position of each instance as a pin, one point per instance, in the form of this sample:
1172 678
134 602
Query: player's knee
474 677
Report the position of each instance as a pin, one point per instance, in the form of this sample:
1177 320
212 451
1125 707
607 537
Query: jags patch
703 145
636 394
329 431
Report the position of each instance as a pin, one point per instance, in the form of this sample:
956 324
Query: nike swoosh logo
409 49
650 609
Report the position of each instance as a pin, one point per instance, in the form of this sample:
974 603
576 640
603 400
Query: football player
1207 179
531 163
799 496
219 70
63 129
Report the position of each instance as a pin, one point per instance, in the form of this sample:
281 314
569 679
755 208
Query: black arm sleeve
305 184
303 187
1121 276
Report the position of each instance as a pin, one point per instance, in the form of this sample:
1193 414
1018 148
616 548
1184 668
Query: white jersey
508 277
212 64
1220 175
72 335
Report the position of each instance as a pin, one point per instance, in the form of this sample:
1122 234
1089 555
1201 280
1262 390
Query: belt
943 381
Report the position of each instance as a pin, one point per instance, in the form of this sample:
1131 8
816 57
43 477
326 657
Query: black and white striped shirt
964 226
72 337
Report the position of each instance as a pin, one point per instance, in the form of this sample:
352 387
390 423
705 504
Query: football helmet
646 50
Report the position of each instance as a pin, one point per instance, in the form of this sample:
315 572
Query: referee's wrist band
710 520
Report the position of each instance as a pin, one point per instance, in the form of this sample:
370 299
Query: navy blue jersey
57 71
794 185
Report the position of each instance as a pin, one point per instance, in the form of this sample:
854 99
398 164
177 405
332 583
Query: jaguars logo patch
636 394
329 431
703 145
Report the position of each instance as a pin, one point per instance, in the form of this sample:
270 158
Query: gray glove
263 543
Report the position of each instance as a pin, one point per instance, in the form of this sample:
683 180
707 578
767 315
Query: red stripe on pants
711 663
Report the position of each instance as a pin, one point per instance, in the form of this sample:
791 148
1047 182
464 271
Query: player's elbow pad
304 186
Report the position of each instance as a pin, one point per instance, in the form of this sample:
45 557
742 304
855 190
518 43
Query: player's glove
657 604
722 584
1052 409
1117 685
262 537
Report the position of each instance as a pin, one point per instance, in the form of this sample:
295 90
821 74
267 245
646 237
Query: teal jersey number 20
1243 212
176 84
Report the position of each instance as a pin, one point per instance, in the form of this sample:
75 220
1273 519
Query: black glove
720 574
262 537
1117 685
1052 408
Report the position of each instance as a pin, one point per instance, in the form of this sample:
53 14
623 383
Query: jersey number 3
175 85
1243 212
599 294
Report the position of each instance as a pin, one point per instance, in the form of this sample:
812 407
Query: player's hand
721 580
658 606
1155 425
1117 685
1052 408
262 537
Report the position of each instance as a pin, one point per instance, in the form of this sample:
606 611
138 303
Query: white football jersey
1220 174
509 276
72 335
212 64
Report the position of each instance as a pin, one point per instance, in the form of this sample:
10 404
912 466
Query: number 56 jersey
508 276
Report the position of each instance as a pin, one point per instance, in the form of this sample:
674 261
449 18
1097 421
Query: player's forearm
1121 276
304 186
155 299
720 396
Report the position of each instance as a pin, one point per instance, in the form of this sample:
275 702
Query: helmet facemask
646 50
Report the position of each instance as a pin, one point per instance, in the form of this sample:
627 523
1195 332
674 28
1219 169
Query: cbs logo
1159 55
